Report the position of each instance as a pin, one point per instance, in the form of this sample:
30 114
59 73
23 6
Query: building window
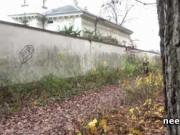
50 21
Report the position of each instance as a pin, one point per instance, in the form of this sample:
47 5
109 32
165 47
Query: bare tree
117 10
169 17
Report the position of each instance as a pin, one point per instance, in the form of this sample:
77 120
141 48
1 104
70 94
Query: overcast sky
144 22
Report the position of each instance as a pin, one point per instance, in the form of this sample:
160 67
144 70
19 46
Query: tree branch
145 3
127 11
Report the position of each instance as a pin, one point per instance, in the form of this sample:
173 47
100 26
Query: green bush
54 88
99 37
110 39
143 87
132 65
70 31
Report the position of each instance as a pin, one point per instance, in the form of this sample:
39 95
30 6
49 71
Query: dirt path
55 118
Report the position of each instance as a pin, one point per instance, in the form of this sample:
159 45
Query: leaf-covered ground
100 112
62 118
145 119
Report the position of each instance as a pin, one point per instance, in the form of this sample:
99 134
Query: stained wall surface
28 54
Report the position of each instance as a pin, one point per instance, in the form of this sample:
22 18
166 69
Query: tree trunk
169 22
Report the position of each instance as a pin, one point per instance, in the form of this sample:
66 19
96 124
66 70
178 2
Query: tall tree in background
169 22
117 10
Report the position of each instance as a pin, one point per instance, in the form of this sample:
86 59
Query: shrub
110 39
132 65
92 35
155 64
99 37
144 87
88 34
54 88
70 31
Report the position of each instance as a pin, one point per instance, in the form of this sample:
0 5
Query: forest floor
96 112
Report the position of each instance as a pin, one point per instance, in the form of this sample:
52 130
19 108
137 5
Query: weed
51 87
144 87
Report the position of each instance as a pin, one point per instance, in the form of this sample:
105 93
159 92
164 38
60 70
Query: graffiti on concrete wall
26 54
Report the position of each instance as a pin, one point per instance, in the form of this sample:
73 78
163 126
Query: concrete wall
28 54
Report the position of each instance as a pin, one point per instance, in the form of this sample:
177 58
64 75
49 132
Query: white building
57 19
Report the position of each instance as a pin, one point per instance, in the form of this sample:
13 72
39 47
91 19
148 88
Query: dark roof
63 10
